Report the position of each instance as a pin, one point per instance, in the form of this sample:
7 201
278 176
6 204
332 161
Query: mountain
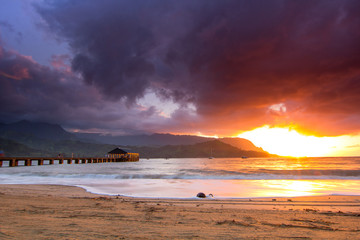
34 129
155 139
52 149
15 149
45 139
241 143
33 134
158 139
79 149
215 147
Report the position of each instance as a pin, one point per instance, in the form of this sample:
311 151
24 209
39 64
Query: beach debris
309 210
210 195
311 226
233 222
201 195
151 209
102 198
274 199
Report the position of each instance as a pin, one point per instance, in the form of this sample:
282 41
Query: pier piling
14 161
28 162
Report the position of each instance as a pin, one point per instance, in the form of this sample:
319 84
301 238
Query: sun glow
199 134
288 142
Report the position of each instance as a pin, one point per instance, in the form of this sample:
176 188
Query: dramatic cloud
35 92
229 65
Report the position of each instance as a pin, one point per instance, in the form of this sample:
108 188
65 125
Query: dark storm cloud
31 91
229 58
111 42
235 61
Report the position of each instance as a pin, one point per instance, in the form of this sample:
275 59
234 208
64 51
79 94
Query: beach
67 212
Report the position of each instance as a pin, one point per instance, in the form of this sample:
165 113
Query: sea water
185 177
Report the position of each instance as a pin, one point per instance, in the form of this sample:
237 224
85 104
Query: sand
64 212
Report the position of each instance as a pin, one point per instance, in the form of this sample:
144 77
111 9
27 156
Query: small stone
201 195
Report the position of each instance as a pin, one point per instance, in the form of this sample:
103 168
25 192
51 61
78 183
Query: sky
211 68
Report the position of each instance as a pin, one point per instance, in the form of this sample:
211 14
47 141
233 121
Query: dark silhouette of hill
34 129
241 143
44 139
16 149
52 149
155 139
158 139
214 148
27 132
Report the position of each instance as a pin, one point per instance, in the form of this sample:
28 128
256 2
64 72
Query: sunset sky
284 74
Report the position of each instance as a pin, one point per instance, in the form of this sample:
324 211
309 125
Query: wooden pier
28 161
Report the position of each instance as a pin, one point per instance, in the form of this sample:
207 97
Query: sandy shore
63 212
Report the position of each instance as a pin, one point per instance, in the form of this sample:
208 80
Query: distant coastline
33 139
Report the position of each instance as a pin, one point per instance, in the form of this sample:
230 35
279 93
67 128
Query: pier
28 161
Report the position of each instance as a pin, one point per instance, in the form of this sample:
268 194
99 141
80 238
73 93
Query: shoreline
69 212
309 198
326 202
281 198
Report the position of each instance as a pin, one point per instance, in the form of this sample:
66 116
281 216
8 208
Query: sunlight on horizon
288 142
199 134
293 188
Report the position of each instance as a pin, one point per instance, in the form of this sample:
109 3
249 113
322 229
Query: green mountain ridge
35 129
15 149
214 148
25 138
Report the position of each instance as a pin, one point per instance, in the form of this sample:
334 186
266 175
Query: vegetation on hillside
213 148
49 140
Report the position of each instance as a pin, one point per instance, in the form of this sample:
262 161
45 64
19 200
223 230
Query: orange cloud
17 73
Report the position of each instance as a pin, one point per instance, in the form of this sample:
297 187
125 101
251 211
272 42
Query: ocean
185 177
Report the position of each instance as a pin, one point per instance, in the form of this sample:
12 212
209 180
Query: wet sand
64 212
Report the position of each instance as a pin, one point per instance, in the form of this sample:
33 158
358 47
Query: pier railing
28 161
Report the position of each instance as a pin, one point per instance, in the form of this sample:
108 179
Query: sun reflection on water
294 187
297 188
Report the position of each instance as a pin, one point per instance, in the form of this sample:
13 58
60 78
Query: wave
270 175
